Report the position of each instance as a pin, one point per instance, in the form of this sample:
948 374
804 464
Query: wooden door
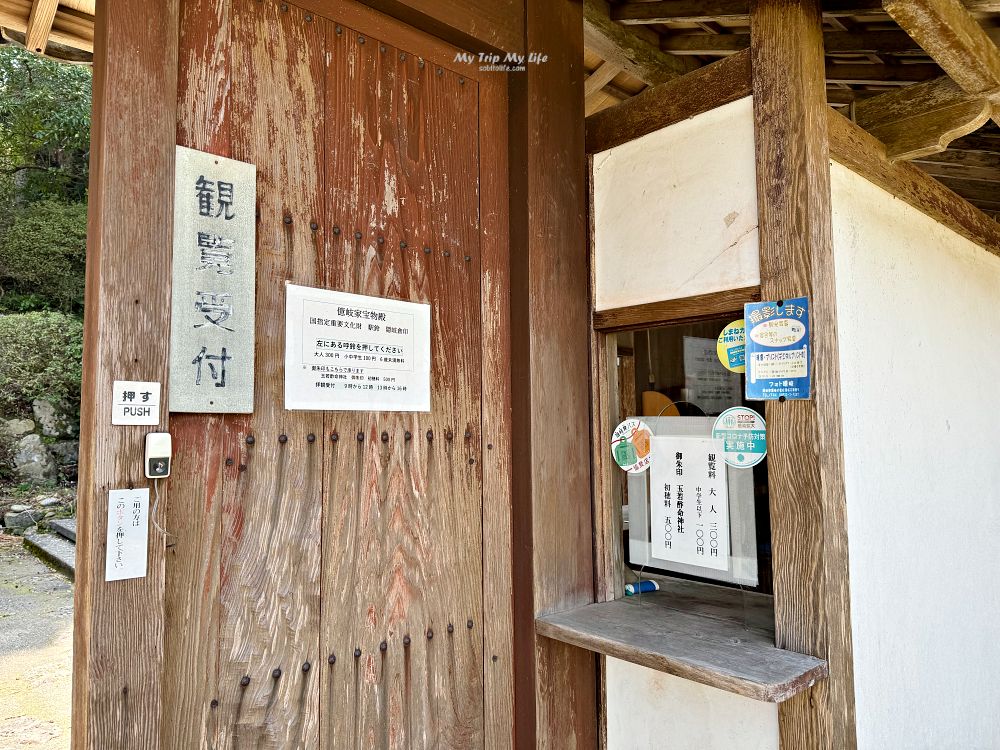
402 528
325 579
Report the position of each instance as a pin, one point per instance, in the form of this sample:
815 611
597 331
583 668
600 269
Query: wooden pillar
555 693
118 635
805 451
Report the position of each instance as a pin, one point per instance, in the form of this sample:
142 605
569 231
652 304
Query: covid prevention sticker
731 346
631 445
744 436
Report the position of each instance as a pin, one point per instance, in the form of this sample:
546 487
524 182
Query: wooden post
805 457
555 689
118 634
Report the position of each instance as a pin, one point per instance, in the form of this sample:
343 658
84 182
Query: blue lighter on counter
642 587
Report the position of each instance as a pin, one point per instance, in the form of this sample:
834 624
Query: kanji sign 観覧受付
214 280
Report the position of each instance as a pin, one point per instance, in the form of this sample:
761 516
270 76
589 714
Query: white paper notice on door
689 502
348 352
128 534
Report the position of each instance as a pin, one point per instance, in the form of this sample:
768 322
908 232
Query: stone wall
43 450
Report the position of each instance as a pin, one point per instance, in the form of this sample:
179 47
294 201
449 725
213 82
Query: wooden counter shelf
716 636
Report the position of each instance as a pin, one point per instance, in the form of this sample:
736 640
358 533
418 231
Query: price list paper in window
349 352
689 502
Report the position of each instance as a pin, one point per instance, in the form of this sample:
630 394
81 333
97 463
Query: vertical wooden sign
214 279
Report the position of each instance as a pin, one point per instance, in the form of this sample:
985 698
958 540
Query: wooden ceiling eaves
59 29
896 78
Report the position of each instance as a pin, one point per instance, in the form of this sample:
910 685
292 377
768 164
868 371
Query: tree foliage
44 154
40 357
43 257
44 127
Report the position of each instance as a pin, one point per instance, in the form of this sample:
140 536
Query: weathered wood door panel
324 587
402 568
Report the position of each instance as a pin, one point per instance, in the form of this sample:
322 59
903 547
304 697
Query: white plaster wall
650 710
919 330
675 212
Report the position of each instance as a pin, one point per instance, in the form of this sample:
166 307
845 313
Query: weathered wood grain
922 119
636 53
657 107
421 35
194 514
956 41
403 492
118 625
551 311
862 153
497 24
270 559
653 632
498 584
683 310
609 556
805 456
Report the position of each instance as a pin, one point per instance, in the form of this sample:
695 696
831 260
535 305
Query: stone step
54 549
64 527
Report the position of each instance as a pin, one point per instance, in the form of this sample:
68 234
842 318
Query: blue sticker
777 350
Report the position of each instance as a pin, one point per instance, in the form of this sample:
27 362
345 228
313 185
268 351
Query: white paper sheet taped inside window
741 563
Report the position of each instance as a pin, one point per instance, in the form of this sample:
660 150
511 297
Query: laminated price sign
777 350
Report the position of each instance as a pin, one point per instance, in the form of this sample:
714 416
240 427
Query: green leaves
43 256
44 127
40 357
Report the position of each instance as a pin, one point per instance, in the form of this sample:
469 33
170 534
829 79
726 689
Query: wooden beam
640 57
556 684
861 152
882 42
69 27
805 456
599 79
977 142
706 88
922 119
737 11
118 625
956 41
685 310
863 73
990 175
971 190
849 96
964 160
43 13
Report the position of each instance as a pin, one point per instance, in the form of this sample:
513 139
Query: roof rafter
956 41
882 42
633 51
664 11
43 13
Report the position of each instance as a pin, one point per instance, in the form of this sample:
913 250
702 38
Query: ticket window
691 514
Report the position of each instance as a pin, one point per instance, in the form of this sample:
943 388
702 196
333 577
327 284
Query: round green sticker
744 436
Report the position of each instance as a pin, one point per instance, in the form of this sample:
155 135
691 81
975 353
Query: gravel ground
36 647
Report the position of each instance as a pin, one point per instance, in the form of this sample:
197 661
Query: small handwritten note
128 534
